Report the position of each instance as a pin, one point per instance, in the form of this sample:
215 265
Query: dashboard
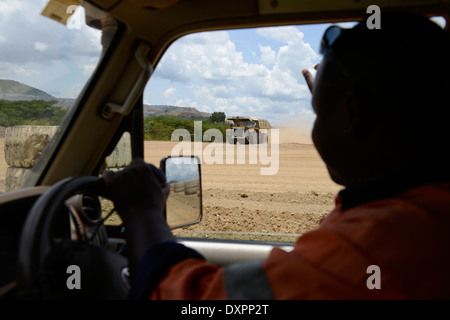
14 208
83 219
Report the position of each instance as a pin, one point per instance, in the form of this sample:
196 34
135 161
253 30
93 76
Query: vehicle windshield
45 62
242 123
263 180
257 183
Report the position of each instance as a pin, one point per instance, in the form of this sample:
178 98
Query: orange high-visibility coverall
393 247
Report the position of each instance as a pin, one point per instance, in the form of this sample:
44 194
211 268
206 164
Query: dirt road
237 198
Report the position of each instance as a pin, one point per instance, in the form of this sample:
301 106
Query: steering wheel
52 265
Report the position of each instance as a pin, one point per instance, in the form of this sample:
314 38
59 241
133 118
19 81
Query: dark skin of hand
140 201
309 78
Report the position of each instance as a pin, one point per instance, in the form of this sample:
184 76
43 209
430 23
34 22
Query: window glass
271 190
266 183
118 159
44 65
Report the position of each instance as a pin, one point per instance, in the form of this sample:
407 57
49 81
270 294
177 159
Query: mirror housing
184 203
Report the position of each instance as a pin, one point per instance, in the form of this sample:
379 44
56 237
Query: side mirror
184 204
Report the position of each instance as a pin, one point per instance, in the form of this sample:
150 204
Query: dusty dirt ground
238 199
239 202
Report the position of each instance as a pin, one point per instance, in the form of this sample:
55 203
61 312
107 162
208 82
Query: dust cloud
295 131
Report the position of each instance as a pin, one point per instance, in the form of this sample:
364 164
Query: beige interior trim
15 195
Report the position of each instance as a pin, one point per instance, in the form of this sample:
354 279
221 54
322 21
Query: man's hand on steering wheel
140 199
136 188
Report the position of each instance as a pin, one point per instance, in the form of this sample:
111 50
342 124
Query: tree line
44 113
34 112
161 127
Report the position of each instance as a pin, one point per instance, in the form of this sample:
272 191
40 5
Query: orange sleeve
395 235
191 279
334 261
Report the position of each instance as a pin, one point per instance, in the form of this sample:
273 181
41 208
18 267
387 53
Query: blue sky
240 72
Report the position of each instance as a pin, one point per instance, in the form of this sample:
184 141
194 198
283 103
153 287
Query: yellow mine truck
247 130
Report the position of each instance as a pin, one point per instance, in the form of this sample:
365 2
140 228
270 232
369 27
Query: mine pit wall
25 144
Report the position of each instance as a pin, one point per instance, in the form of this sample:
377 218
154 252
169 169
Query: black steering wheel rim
36 245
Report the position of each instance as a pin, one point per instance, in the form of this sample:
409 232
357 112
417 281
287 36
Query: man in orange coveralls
382 102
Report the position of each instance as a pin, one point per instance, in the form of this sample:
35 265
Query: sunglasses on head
329 38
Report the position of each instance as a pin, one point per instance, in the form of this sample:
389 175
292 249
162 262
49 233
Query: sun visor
60 10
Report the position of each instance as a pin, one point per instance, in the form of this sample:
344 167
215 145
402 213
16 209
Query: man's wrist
149 224
140 212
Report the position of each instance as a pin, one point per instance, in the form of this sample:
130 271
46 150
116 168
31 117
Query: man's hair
402 69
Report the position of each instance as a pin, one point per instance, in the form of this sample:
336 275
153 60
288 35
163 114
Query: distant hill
174 111
13 90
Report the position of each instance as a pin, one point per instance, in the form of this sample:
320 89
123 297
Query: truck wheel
231 139
263 138
253 137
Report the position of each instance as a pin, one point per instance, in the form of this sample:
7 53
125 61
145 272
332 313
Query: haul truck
247 130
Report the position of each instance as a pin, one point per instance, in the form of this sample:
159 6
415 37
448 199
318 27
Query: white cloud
208 71
40 46
267 55
214 71
169 92
25 30
222 91
14 71
281 34
204 56
88 69
43 53
9 7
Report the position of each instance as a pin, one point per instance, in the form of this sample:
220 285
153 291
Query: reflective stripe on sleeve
247 280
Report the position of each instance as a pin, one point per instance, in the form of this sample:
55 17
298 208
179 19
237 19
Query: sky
255 72
42 53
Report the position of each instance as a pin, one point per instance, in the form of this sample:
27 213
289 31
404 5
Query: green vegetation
44 113
161 128
35 112
217 117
